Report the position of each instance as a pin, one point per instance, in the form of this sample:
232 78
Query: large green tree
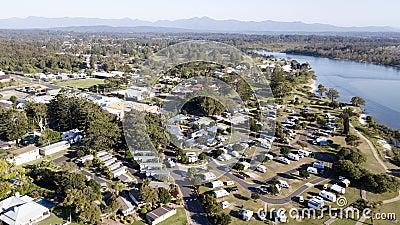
332 94
37 113
101 135
13 124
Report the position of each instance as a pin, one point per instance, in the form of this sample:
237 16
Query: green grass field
178 219
52 220
82 83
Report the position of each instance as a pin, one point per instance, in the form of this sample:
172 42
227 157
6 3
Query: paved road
64 158
95 177
372 148
30 80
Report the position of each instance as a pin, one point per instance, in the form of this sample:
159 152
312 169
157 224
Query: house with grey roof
160 214
21 210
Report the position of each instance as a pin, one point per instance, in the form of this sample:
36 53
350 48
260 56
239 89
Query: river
378 85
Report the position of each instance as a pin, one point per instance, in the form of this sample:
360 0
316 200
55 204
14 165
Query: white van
294 157
312 170
284 160
261 168
328 195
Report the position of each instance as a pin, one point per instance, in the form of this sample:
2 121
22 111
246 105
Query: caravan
262 168
328 195
312 170
294 157
338 189
284 184
284 160
269 156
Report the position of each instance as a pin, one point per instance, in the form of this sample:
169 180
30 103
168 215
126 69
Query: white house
126 206
110 161
72 136
192 157
53 148
24 155
22 210
220 193
160 214
83 159
217 183
115 165
119 171
208 176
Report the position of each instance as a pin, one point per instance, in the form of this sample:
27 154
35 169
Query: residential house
54 148
160 214
208 176
119 171
126 206
22 210
72 136
24 155
220 193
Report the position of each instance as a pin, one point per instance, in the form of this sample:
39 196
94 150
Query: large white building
54 148
22 210
24 155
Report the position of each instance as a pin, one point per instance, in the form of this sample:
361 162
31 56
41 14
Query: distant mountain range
196 24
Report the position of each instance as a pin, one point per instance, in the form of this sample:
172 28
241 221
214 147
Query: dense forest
54 51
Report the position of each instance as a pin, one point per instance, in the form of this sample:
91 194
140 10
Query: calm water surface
378 85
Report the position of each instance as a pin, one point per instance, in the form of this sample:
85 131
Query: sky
335 12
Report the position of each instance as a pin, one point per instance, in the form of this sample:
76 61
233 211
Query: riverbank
313 85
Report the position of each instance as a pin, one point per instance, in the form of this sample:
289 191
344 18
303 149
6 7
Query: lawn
82 83
178 219
53 219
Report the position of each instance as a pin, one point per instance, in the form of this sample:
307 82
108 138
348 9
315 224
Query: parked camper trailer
262 168
284 160
284 184
328 195
269 156
338 189
294 157
319 165
316 202
304 152
312 170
